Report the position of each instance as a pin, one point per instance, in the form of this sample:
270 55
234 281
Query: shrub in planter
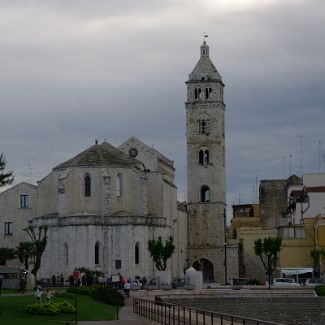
50 308
43 309
108 295
66 307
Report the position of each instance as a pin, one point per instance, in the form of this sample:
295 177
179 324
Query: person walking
127 288
48 295
38 295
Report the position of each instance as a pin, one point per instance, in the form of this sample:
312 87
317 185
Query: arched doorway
206 267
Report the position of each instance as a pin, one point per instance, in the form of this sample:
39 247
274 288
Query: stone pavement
126 316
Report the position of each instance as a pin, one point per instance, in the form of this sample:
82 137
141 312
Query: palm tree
6 254
25 251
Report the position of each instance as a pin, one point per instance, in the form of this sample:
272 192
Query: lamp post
268 254
225 245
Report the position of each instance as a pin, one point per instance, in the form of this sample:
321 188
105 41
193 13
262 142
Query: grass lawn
12 311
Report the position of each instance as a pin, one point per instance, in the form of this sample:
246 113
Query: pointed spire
204 69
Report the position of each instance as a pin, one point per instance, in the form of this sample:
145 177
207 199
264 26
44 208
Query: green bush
83 290
47 308
320 290
108 295
50 308
66 307
63 294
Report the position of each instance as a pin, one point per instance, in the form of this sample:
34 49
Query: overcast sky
75 71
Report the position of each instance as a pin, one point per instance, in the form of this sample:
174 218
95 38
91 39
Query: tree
39 243
267 250
6 178
160 253
316 255
6 254
25 251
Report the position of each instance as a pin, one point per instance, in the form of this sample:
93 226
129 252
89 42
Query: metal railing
174 314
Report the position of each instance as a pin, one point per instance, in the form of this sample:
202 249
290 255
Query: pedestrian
48 295
122 282
71 281
38 295
53 279
22 284
127 287
61 280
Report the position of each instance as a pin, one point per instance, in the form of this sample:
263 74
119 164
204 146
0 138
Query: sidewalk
126 317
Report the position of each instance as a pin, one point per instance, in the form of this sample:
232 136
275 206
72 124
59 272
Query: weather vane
205 35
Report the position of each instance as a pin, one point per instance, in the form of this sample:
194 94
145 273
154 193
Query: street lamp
269 254
225 245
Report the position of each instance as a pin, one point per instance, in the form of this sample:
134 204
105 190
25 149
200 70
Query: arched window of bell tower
205 193
203 126
197 93
208 93
204 156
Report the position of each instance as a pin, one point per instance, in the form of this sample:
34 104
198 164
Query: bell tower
206 172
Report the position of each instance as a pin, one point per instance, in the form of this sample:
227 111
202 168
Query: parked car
314 282
177 283
240 281
285 282
153 281
135 282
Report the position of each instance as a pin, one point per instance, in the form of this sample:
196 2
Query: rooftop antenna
256 187
319 154
284 166
30 173
290 165
301 155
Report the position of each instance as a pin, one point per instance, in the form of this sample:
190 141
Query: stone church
103 205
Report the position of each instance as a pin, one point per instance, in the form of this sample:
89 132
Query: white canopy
296 271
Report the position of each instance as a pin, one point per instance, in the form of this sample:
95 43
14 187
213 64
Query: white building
307 200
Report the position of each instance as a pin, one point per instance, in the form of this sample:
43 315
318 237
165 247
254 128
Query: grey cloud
76 71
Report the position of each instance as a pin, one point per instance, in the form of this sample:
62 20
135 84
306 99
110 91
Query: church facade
103 205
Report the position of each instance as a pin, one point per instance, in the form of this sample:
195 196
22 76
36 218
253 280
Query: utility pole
301 155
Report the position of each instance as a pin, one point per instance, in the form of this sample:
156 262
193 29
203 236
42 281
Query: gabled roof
154 151
204 67
19 185
99 155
